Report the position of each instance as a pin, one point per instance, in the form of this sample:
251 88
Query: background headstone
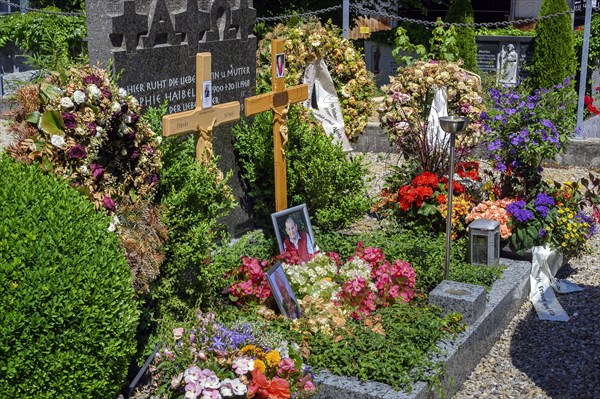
379 60
488 48
153 43
526 8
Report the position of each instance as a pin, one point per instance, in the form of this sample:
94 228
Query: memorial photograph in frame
282 292
294 231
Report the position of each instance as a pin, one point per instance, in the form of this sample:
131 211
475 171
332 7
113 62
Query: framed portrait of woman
282 292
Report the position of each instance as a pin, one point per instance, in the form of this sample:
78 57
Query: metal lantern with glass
484 241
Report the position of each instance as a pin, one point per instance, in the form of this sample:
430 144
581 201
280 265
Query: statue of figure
436 137
507 65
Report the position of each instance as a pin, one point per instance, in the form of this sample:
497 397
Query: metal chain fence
356 8
361 10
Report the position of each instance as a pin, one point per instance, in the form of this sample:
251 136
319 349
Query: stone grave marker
278 101
492 49
153 45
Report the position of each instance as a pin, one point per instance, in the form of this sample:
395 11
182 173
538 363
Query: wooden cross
278 101
201 120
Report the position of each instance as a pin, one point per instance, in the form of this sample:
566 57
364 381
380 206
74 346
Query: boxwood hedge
68 314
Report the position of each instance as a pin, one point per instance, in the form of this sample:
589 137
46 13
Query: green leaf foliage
411 333
461 11
68 314
319 173
194 198
50 40
554 52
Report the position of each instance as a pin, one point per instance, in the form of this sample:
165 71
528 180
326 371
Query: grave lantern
484 239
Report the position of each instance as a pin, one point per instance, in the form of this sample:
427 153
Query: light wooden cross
201 120
278 101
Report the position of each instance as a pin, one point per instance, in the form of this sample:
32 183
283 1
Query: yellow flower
273 358
564 244
260 365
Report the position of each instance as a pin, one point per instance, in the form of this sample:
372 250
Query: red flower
426 179
441 199
261 388
587 100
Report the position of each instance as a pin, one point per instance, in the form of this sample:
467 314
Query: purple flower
108 203
106 93
97 170
152 179
523 215
515 207
69 120
76 152
543 232
92 80
500 167
494 145
91 127
542 210
543 199
135 155
149 150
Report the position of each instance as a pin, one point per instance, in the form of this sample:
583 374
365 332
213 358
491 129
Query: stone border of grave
460 355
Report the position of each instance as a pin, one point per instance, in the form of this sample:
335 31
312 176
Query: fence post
346 17
584 62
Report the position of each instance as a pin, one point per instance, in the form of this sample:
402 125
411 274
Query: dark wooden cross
201 120
277 101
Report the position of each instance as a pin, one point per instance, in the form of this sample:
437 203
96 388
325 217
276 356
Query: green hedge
68 315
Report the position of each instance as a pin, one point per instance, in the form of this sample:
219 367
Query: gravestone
490 52
380 61
153 44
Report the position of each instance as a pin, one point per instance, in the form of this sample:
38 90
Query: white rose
66 102
134 101
99 131
123 128
122 92
115 107
93 91
83 169
79 96
124 153
128 118
57 141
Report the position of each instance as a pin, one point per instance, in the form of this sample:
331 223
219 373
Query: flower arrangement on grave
83 127
406 108
422 203
308 41
360 286
211 360
523 129
551 218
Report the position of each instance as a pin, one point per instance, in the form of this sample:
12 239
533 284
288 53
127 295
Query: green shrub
461 11
68 316
318 172
52 41
554 51
193 197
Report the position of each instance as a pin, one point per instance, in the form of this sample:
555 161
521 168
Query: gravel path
543 359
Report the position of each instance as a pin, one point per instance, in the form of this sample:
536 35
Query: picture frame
279 65
283 292
299 214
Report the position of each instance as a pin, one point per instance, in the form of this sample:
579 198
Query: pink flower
242 365
178 332
108 204
309 386
286 365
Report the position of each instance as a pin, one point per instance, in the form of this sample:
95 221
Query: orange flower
261 388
